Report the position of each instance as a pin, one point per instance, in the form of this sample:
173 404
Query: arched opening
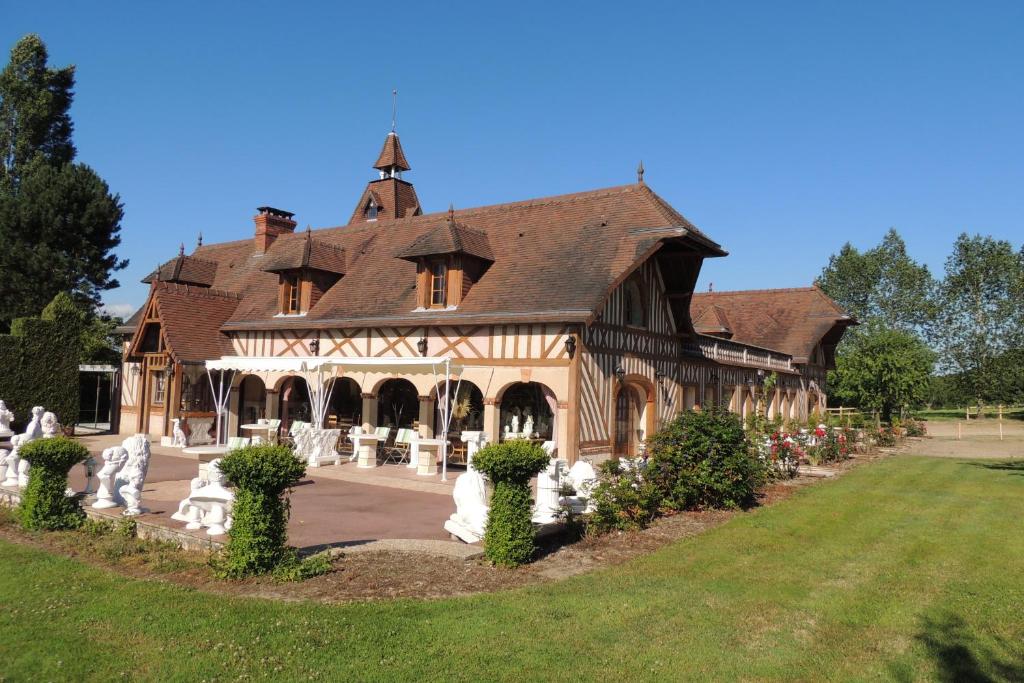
293 403
467 408
398 404
633 419
528 412
346 407
252 402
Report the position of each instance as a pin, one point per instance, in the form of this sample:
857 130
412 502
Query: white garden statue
33 431
470 517
528 425
180 441
209 503
133 474
6 417
11 461
113 459
582 477
49 425
547 507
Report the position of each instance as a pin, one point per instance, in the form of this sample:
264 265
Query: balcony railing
734 353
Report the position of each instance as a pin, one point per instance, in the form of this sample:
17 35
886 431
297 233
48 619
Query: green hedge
44 505
509 534
257 541
39 362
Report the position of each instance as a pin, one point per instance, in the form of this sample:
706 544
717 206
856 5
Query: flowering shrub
830 445
916 428
885 436
782 453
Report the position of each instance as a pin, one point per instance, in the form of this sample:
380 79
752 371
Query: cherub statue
180 441
6 417
113 459
514 427
528 424
12 460
133 473
49 425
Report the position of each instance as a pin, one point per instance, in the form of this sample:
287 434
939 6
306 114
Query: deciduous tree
882 369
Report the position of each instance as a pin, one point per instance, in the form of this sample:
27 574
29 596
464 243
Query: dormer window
371 211
438 284
291 294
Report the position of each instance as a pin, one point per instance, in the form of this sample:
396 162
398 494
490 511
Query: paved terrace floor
332 505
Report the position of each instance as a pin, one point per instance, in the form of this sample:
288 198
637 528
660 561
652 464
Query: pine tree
59 223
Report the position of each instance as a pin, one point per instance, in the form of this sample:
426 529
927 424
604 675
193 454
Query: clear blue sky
781 129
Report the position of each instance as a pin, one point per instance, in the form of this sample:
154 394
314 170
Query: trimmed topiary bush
44 505
703 460
509 534
257 541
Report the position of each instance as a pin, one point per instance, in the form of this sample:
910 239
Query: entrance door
625 424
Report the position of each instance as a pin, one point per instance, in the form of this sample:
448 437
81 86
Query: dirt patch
392 574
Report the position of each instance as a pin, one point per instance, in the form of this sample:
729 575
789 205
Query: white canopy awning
320 372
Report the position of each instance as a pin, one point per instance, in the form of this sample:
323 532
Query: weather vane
394 108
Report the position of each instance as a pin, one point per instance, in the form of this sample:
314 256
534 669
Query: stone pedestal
365 445
426 452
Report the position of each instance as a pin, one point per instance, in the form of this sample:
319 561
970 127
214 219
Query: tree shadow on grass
959 656
1014 466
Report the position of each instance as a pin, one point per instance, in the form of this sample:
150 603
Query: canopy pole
446 419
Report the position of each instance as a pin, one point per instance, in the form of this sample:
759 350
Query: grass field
1009 413
910 569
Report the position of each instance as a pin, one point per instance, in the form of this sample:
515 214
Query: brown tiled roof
395 198
391 154
792 321
191 319
187 270
450 237
555 259
308 253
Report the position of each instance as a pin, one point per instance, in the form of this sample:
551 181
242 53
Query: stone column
271 407
492 417
562 437
369 412
426 417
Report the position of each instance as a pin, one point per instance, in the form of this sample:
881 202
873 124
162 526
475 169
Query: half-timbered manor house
577 311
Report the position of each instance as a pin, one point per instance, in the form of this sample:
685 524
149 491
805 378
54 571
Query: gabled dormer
306 269
185 270
389 196
449 260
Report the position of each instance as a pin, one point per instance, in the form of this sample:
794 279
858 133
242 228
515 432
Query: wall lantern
570 346
620 372
314 346
422 346
659 377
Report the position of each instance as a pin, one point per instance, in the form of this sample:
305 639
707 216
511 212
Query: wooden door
625 424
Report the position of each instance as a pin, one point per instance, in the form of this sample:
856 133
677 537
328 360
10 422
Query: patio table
426 465
365 445
257 427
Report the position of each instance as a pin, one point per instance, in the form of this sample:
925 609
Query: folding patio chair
399 452
273 427
297 426
236 442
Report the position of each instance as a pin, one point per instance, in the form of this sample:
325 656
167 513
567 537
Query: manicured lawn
908 569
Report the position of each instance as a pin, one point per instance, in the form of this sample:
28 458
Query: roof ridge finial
199 241
640 172
451 213
181 249
394 108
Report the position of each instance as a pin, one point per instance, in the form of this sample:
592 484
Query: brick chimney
270 223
